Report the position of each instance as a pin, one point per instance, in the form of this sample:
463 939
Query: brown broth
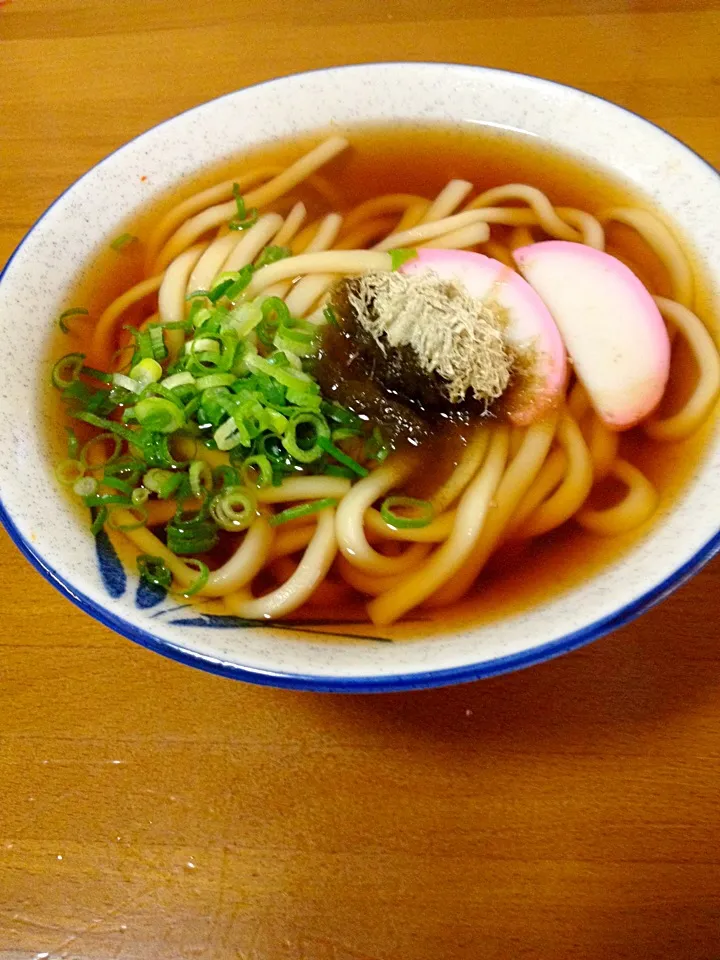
422 160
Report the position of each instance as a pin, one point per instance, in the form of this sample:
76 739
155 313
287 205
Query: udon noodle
509 483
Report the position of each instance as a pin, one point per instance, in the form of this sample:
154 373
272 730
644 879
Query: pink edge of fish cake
531 332
611 326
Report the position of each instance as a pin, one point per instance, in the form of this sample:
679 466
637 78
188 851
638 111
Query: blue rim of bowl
372 684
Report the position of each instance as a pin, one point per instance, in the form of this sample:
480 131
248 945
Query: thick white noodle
311 571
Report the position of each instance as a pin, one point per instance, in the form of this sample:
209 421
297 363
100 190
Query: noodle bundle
290 540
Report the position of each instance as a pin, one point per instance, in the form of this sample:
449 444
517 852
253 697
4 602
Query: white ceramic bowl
41 274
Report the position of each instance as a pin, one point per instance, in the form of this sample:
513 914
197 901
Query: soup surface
420 161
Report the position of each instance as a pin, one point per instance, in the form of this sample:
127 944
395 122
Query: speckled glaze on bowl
42 270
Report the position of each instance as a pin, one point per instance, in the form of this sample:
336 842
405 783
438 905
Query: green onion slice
140 513
164 483
69 472
139 496
330 316
115 483
272 254
99 520
423 512
215 380
67 314
337 454
200 581
146 371
106 500
234 508
67 370
400 256
249 221
159 415
190 535
154 570
304 436
127 383
257 471
123 241
225 476
303 510
99 441
200 476
73 444
176 380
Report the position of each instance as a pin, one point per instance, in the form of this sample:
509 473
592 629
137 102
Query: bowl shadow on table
631 680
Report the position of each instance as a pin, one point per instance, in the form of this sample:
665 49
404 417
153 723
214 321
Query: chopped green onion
202 345
302 343
99 520
96 374
127 383
335 470
98 441
341 457
67 370
232 284
159 414
69 472
330 316
244 276
139 511
401 521
123 241
245 218
143 343
234 508
72 312
225 476
200 476
157 338
220 289
257 471
189 535
162 482
245 317
288 378
303 510
139 496
229 435
73 444
272 255
341 415
375 446
115 483
400 256
154 570
344 433
307 446
155 448
146 371
239 200
215 380
200 581
184 379
275 311
126 467
106 499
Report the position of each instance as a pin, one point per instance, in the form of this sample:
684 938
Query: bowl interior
44 270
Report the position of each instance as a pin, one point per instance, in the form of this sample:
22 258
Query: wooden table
151 811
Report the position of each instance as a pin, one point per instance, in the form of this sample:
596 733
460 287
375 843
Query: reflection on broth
252 436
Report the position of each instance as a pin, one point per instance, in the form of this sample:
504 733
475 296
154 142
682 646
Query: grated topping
453 335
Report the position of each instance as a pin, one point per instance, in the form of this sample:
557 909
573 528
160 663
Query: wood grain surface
150 811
